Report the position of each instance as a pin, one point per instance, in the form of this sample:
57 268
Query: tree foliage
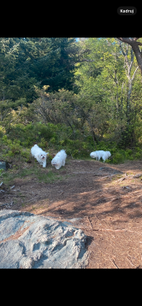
91 89
26 62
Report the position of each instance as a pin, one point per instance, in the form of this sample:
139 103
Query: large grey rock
32 241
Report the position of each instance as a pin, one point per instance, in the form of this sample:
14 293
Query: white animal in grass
100 154
39 154
59 160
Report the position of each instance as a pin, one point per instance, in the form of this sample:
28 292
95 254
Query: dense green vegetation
61 93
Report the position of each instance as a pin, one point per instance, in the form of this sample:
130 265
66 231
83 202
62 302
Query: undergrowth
17 142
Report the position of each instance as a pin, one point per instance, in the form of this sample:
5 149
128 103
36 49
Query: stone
33 241
137 175
3 165
114 171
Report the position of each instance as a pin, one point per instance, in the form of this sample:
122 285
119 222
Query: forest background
61 93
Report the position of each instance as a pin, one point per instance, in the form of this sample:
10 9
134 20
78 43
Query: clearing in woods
104 200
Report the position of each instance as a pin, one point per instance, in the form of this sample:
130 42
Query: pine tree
26 62
56 67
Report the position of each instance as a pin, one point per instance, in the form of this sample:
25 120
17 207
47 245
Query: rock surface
33 241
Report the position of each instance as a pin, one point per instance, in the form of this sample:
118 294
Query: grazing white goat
100 154
59 160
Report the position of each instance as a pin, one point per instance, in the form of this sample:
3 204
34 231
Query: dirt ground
104 200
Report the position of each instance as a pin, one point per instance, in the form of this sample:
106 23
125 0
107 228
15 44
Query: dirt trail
104 200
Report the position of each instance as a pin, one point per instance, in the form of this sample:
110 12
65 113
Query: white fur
59 160
100 154
97 154
39 154
106 155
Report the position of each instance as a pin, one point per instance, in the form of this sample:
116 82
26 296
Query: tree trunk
132 41
93 134
128 102
137 52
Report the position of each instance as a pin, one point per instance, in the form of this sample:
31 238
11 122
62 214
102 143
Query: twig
3 205
130 261
114 263
31 199
121 179
90 223
137 175
114 199
6 204
113 230
17 195
119 230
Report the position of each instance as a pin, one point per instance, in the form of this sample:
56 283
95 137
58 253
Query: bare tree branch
132 41
132 59
139 43
85 60
126 40
122 50
134 73
135 38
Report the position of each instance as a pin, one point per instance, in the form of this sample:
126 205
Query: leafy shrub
69 151
26 155
1 131
113 150
84 145
52 140
138 155
43 144
19 140
118 158
62 142
128 153
49 157
101 146
75 153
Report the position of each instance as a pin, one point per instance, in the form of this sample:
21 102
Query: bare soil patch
104 200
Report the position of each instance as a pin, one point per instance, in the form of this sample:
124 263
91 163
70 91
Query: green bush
62 142
101 146
128 153
69 142
75 153
113 150
47 131
52 140
118 158
1 132
26 155
69 151
43 144
49 157
32 133
84 145
138 155
20 138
